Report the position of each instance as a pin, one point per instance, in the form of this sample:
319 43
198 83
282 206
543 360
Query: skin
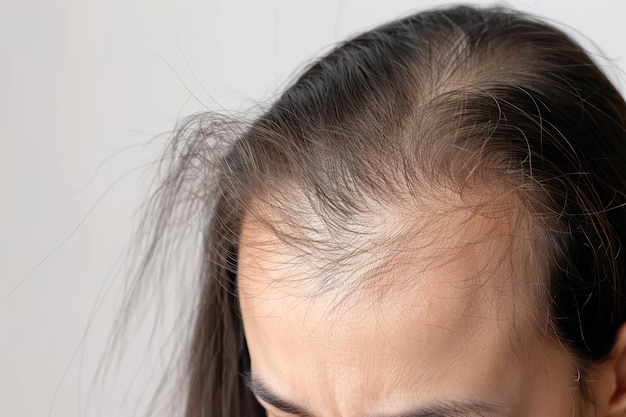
442 339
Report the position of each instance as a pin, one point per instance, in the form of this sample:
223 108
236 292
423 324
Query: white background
86 91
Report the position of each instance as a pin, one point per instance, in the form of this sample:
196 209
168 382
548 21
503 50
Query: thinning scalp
464 103
418 141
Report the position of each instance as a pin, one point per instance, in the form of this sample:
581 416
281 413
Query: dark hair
458 97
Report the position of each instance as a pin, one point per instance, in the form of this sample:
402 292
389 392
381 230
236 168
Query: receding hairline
387 239
509 276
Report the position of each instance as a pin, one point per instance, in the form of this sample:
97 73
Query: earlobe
616 368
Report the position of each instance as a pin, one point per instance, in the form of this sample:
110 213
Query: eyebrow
464 408
262 391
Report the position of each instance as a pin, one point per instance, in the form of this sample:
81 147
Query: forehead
408 320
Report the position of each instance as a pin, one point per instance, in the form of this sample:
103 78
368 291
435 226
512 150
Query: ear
615 369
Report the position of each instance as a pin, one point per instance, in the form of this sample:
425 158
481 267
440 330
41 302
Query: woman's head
430 216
